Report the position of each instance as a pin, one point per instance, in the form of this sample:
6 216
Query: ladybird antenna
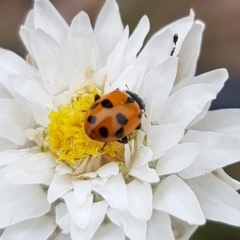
127 87
104 145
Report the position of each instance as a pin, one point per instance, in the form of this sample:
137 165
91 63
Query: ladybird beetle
114 116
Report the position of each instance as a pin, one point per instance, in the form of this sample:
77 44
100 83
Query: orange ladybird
114 116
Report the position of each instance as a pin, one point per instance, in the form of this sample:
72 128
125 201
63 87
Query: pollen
65 134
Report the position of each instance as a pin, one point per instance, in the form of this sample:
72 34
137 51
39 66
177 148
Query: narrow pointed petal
184 204
184 105
189 52
182 26
225 121
163 137
63 218
135 42
114 192
97 215
110 230
23 202
50 20
218 151
159 226
216 77
218 201
80 214
139 199
48 58
14 119
158 49
30 90
134 229
59 186
108 28
220 174
181 229
178 158
37 229
159 82
81 190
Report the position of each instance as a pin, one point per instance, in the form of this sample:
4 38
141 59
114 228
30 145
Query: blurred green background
220 48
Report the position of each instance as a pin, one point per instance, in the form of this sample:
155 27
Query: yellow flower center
65 134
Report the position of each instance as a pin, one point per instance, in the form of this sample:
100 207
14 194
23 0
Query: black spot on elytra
121 119
94 105
103 132
91 119
130 100
119 133
107 103
96 97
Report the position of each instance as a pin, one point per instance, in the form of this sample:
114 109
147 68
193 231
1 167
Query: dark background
220 48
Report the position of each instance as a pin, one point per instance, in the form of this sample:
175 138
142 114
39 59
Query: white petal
10 156
108 28
178 158
115 58
97 215
21 203
17 174
80 38
14 119
181 27
37 229
108 170
40 113
63 169
114 192
110 230
218 151
30 20
59 186
181 229
163 137
143 156
7 144
25 36
220 174
14 64
63 218
184 105
81 190
159 227
139 199
158 49
159 82
218 201
127 80
30 90
176 198
189 52
83 71
225 121
134 229
80 214
216 77
50 20
144 173
135 42
62 236
48 55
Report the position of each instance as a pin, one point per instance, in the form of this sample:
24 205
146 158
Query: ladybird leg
104 145
138 127
96 97
124 140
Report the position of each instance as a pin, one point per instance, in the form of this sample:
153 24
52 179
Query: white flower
56 183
